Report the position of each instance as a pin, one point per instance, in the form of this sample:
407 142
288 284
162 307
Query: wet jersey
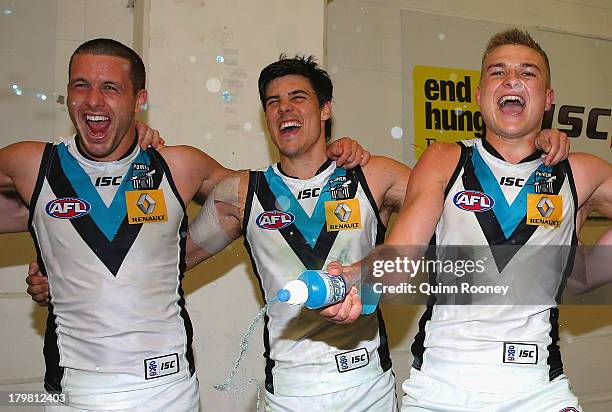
110 238
292 225
517 208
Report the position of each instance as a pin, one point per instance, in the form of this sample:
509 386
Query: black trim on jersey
253 176
181 302
460 164
489 148
160 159
381 229
321 169
569 267
311 258
111 253
491 227
554 360
77 139
418 346
269 384
554 354
183 230
48 153
383 346
54 373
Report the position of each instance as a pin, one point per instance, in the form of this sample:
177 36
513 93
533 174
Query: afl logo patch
274 220
67 208
473 201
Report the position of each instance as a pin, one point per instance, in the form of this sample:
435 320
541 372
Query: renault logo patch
544 210
146 206
342 215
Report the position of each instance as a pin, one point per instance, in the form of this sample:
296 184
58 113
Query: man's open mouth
97 124
511 104
289 126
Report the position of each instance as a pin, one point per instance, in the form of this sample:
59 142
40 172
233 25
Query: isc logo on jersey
67 208
274 220
473 201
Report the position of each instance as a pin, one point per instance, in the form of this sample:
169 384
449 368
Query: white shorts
425 394
181 395
377 395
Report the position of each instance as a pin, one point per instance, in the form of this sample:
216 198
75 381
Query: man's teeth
518 99
98 118
293 123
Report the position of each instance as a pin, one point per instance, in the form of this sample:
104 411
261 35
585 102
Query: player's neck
513 150
304 165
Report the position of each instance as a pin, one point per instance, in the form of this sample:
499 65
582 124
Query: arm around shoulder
195 172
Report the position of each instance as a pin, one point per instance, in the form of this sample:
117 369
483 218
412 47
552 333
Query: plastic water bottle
316 289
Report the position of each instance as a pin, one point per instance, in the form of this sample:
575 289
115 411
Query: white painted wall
36 41
180 41
364 58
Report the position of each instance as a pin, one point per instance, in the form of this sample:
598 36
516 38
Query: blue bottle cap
283 295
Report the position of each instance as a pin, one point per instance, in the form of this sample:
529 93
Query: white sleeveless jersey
293 225
110 238
502 347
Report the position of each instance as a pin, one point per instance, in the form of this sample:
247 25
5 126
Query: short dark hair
110 47
302 66
516 37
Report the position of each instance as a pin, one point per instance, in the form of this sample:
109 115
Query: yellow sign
146 206
342 215
445 107
544 210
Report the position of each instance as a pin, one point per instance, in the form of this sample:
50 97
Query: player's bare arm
593 179
424 199
19 164
15 213
194 172
387 179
